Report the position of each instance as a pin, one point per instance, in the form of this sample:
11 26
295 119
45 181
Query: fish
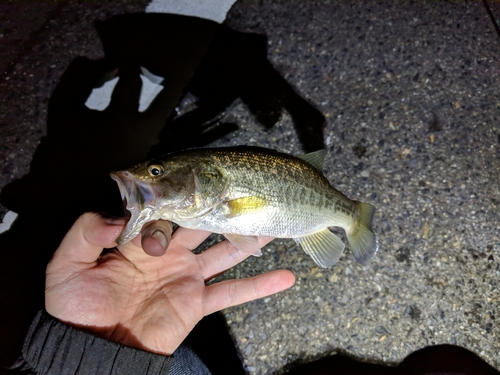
245 192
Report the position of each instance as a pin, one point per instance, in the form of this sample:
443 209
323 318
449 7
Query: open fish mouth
139 200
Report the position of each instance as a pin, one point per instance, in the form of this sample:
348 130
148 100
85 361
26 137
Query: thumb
88 236
151 243
155 237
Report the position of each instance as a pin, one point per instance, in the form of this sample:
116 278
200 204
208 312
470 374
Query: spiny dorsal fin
316 159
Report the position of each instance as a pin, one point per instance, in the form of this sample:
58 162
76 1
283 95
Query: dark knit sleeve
52 347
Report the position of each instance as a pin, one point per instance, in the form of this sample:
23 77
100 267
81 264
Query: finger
155 237
235 292
189 239
182 240
223 256
86 239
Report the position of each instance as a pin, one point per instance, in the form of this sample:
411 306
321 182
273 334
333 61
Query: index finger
229 293
224 256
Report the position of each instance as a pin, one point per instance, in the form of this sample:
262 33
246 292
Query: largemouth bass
245 192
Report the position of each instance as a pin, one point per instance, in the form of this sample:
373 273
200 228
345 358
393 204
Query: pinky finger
235 292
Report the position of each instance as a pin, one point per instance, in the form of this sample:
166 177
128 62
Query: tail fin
363 241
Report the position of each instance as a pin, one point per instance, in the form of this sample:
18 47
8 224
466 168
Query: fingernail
161 238
117 221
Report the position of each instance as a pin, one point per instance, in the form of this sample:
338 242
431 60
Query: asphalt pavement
404 96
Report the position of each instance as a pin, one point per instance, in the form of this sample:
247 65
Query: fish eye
155 170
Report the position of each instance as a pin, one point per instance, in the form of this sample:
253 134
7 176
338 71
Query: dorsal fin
316 159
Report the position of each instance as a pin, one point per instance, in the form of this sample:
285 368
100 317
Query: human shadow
70 170
431 360
236 66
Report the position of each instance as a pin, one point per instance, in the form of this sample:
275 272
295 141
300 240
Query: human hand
150 303
155 237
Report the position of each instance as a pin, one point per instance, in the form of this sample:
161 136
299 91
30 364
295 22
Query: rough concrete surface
410 94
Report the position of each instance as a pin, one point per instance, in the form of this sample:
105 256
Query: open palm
147 302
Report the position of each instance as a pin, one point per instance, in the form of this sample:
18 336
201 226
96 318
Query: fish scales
246 192
287 183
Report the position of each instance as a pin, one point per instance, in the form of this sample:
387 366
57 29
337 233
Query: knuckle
232 293
87 217
255 288
202 264
162 225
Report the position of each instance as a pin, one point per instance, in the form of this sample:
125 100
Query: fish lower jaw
127 237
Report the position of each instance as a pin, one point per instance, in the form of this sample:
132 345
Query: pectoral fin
245 205
247 244
323 247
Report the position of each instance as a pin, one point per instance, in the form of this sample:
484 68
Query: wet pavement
411 106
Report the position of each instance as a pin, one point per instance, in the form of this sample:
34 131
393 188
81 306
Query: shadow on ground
70 170
432 360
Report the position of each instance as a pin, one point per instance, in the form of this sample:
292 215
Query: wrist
53 347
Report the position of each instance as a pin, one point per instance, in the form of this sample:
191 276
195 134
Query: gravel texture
410 95
493 9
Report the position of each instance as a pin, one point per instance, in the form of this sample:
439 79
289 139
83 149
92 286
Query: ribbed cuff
52 347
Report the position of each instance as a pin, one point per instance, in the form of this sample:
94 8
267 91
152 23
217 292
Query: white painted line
150 88
214 10
8 219
153 78
100 97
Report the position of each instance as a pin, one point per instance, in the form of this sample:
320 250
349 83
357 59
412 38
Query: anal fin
324 247
247 244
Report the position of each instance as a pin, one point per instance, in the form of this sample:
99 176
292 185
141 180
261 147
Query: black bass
245 192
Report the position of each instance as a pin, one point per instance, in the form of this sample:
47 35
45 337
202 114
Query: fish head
151 190
169 189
